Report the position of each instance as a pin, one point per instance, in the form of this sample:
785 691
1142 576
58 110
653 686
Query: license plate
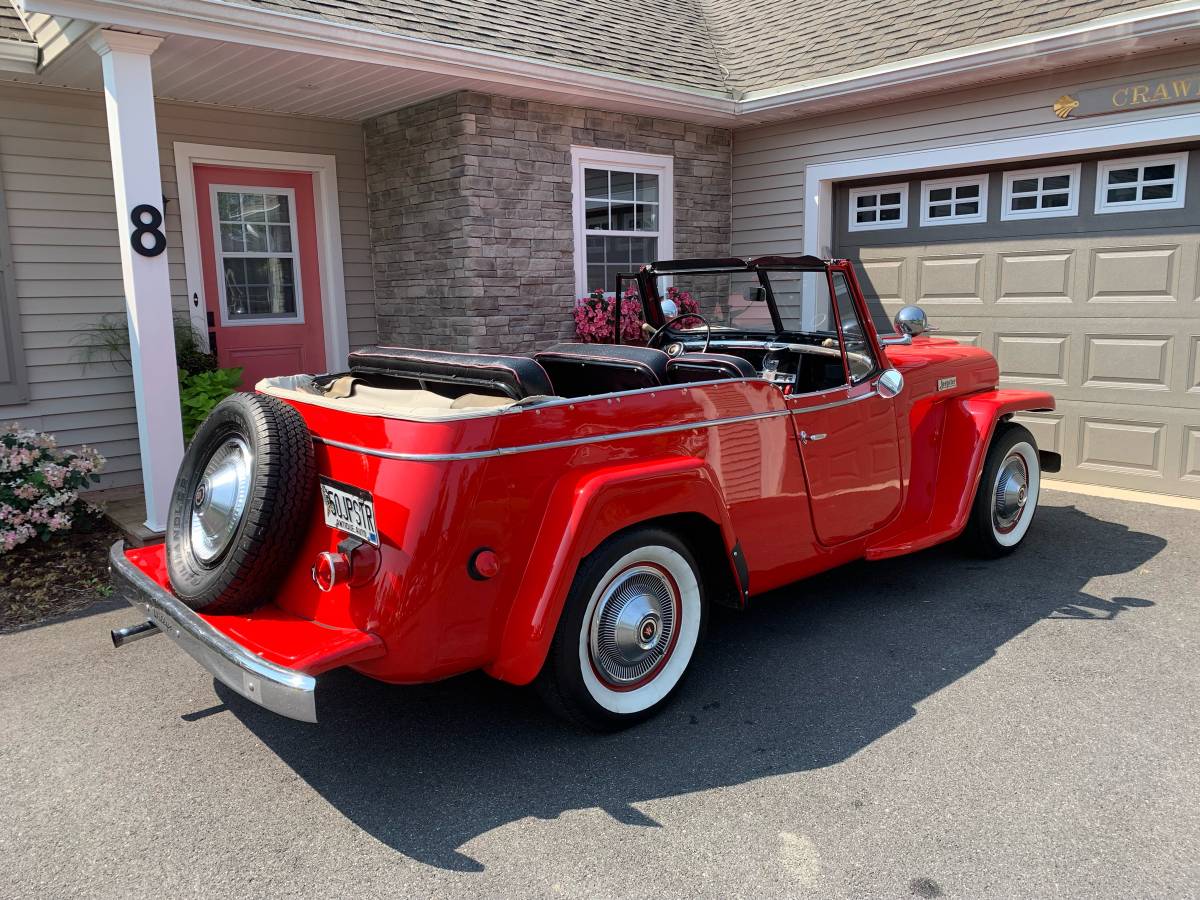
349 509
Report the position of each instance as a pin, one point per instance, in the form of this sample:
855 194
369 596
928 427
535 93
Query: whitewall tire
1007 497
628 632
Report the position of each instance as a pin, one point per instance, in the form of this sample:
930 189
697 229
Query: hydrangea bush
594 315
40 484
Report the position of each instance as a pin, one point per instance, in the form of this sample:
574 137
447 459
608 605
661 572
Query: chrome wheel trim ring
220 498
1010 495
637 698
633 626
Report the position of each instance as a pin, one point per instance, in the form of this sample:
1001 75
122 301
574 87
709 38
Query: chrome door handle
805 437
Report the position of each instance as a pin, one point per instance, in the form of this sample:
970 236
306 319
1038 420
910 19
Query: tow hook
131 633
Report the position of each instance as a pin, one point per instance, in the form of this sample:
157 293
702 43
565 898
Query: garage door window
954 201
1150 182
1041 193
874 208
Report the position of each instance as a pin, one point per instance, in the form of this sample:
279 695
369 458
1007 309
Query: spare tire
241 503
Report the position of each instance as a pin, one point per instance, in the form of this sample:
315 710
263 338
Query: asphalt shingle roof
724 46
11 26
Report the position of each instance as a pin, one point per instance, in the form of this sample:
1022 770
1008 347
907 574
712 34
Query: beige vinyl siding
769 162
54 163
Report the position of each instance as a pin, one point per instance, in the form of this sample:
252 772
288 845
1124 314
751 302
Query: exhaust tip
122 636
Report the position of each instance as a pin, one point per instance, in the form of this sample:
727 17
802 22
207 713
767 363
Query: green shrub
199 392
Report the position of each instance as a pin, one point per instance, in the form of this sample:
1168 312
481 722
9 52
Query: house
445 174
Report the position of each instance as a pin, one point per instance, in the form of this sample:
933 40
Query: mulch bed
42 580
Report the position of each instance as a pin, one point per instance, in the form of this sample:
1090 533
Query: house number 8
146 221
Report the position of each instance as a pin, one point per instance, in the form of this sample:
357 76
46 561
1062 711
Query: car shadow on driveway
813 674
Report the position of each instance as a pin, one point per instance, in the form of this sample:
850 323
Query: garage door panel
956 279
1126 362
1191 453
1193 370
1134 274
1036 276
1033 358
1047 429
1121 445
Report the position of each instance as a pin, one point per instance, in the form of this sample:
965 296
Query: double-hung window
622 213
1148 182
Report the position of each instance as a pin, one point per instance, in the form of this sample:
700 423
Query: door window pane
257 254
859 357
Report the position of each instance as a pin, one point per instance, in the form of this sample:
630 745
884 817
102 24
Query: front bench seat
580 370
692 367
518 377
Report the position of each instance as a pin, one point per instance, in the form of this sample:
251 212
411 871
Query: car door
848 437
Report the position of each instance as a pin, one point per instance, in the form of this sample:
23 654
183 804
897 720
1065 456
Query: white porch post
133 139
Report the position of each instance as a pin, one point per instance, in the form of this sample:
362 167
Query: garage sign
1118 97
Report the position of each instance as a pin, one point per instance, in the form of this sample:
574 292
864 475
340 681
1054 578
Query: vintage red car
566 518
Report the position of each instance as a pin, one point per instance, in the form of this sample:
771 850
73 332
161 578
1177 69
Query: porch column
133 140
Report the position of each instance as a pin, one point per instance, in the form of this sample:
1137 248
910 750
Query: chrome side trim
277 688
809 409
549 445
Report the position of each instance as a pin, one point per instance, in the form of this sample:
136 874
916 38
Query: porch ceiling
239 75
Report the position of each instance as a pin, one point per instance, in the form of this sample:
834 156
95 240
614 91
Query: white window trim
1177 201
625 161
323 168
1073 170
219 254
878 190
927 187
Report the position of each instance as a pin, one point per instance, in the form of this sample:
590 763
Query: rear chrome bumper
277 688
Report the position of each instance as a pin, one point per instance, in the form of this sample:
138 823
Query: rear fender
583 512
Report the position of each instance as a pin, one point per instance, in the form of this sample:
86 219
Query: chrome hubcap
1012 493
633 625
220 498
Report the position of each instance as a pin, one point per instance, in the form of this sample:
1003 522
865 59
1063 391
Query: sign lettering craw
1128 95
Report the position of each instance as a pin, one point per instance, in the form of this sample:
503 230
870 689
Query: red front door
262 284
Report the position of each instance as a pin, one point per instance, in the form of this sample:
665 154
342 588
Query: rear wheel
1007 497
630 627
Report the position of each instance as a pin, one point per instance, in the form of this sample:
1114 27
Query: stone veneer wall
470 205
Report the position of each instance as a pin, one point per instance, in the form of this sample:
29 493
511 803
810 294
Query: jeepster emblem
945 384
1065 105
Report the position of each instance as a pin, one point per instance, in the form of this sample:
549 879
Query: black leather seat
692 367
512 376
578 370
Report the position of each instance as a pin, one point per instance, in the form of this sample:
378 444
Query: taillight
331 569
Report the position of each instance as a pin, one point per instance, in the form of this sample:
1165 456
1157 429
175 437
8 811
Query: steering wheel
671 321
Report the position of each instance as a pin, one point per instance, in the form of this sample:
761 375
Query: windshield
737 301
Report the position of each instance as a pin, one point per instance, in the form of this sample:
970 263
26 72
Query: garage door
1082 276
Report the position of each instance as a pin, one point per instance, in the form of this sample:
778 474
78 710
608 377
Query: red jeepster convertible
566 518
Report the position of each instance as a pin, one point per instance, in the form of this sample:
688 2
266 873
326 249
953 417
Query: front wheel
630 626
1007 497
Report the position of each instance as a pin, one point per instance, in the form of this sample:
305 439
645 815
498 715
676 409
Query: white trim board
328 224
820 178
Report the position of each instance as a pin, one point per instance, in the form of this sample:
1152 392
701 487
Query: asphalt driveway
929 726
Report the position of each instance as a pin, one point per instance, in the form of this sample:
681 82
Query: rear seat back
517 377
579 370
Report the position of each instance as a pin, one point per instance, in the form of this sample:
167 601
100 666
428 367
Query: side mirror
757 295
890 383
911 320
670 309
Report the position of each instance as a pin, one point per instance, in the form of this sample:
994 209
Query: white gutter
1074 45
1102 38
